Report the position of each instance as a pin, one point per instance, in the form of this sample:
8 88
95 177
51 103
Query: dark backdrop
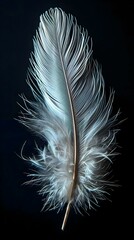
110 23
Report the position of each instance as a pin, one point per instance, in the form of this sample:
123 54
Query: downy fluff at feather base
71 113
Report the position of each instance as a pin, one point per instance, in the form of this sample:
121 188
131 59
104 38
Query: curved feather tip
71 113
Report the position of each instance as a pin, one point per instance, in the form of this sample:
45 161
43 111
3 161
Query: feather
71 113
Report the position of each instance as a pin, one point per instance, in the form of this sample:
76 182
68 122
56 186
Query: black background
110 24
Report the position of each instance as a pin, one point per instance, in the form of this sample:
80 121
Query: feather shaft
75 151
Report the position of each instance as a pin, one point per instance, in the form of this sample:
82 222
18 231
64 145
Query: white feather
71 113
